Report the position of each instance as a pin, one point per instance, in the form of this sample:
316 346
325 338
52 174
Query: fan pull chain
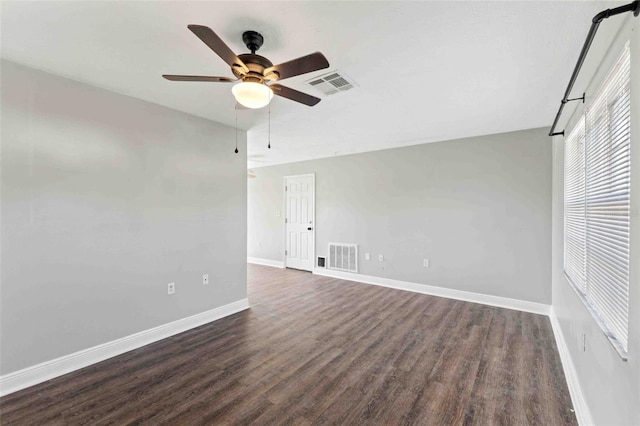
269 145
236 131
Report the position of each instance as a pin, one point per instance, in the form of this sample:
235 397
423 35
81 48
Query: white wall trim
266 262
583 414
467 296
47 370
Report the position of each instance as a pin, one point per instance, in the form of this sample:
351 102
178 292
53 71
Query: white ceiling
426 71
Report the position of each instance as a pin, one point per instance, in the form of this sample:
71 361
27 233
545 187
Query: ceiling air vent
332 83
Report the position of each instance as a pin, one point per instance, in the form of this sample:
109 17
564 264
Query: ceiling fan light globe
252 95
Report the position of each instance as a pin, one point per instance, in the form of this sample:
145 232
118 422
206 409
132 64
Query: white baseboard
467 296
266 262
583 414
39 373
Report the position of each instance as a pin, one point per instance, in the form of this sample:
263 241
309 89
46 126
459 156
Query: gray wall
610 385
105 200
479 209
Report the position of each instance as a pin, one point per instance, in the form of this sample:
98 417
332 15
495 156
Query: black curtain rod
631 7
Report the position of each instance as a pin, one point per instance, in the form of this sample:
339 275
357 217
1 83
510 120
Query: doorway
299 221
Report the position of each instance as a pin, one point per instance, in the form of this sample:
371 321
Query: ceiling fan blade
294 95
198 78
313 62
216 44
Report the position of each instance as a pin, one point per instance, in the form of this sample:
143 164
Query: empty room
320 212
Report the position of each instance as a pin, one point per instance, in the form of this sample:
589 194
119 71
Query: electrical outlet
171 288
425 263
380 258
205 279
367 256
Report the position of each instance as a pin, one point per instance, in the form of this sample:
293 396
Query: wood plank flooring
317 350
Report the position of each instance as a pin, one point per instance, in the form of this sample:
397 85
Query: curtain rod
595 23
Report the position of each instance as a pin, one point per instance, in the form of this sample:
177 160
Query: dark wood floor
319 350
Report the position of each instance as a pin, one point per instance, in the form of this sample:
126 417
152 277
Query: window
597 179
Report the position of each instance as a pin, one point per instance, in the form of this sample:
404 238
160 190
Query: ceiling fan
257 73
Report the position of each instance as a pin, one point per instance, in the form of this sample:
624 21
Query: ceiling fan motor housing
256 64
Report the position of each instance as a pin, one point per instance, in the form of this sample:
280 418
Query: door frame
313 231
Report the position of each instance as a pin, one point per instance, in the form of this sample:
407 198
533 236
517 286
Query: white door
299 217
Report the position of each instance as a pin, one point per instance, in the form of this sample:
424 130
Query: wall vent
343 257
331 83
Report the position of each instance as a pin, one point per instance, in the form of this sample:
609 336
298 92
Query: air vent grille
331 83
343 257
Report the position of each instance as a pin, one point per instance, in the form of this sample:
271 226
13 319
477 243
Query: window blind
597 204
574 207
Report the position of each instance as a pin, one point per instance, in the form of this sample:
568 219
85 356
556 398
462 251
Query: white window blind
597 204
574 208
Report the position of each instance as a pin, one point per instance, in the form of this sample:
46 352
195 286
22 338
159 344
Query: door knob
309 229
